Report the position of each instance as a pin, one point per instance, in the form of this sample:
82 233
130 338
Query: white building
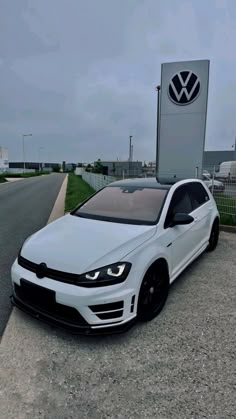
4 164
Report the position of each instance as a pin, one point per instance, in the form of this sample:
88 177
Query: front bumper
110 309
72 328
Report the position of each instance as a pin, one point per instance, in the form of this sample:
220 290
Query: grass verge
25 175
227 209
77 191
2 179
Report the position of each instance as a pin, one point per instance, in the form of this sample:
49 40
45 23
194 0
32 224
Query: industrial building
121 168
4 165
213 159
33 165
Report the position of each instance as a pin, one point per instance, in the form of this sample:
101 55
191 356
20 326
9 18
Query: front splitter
70 327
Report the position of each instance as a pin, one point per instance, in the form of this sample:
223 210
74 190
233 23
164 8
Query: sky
80 75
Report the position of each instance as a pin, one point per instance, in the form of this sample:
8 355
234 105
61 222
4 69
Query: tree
98 167
56 169
113 168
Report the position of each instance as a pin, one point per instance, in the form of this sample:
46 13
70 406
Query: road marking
13 179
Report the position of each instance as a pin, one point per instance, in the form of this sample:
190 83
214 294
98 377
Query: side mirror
181 219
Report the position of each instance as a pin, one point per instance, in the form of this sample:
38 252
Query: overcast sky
80 75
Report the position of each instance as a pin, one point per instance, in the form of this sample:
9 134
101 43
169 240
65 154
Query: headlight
108 275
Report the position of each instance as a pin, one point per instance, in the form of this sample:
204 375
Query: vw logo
41 270
184 88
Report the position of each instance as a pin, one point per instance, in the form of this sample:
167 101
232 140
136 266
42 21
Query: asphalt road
25 207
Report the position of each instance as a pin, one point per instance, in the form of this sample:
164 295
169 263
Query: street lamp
130 151
23 146
234 145
40 148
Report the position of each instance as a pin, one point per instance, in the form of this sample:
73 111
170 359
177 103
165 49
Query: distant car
111 260
206 173
216 184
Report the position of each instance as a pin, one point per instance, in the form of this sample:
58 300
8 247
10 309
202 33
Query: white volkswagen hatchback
112 259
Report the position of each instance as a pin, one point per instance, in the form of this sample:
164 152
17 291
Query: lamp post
130 151
23 147
158 88
234 145
40 148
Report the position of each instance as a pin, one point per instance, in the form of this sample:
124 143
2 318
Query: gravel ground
181 365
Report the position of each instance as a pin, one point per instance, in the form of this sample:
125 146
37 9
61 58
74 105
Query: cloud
81 76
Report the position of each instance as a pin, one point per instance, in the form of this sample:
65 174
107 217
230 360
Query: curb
228 229
59 206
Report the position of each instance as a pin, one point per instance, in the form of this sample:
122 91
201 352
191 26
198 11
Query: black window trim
179 187
199 206
186 185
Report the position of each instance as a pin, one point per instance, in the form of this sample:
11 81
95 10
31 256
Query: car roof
141 182
152 183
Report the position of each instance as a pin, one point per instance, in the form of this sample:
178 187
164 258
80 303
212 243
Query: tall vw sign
182 119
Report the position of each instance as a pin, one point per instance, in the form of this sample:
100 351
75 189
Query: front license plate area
36 295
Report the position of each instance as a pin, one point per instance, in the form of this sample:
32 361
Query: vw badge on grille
184 87
41 270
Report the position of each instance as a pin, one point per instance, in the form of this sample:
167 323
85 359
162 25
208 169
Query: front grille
43 299
108 311
50 273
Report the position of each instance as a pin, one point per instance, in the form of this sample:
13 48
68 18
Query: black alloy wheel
214 237
153 293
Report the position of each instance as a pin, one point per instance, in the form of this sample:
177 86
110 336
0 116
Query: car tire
153 292
214 236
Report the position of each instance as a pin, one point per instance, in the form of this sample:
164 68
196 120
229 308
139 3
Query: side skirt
195 256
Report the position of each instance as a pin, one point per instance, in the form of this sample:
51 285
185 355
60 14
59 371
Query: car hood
77 245
216 182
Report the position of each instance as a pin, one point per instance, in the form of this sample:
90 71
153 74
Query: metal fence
13 171
222 185
97 181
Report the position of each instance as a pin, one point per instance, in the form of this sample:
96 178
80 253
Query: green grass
5 175
227 209
25 175
228 219
77 191
2 179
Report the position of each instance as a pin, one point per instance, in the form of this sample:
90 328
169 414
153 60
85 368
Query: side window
181 202
198 194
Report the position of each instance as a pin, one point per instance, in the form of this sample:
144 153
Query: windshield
127 204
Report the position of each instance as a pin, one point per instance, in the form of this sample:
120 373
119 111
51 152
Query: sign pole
158 88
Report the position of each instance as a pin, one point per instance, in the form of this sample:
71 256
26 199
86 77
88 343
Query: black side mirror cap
181 219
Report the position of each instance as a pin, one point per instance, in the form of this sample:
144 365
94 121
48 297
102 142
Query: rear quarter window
198 194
